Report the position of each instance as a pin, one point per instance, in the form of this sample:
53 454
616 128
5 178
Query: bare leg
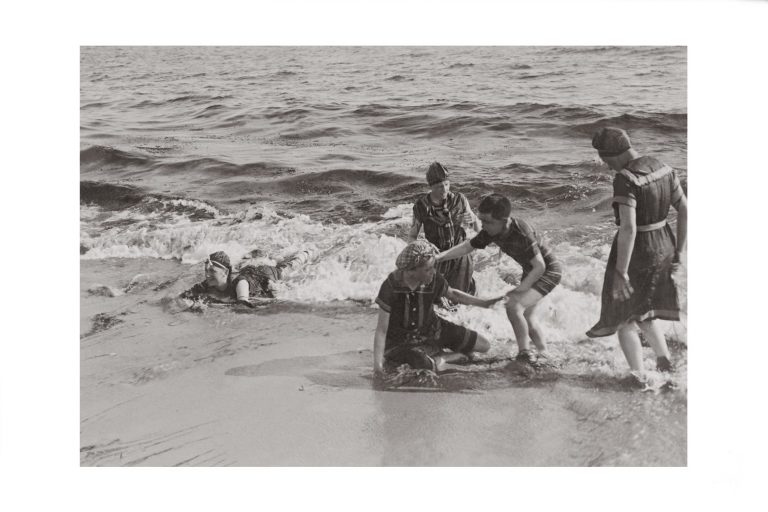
518 303
443 360
534 329
294 260
630 345
481 344
516 315
655 337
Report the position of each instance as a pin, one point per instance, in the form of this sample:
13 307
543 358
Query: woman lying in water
251 286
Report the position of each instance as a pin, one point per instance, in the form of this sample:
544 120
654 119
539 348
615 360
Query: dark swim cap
436 173
611 141
221 258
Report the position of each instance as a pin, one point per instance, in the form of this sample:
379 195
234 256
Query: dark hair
497 205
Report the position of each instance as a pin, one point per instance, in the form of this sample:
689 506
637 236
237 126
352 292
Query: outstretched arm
379 341
454 252
470 300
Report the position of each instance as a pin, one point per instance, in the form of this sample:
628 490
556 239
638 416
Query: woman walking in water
638 288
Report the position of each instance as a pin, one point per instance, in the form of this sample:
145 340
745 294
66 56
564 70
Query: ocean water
189 150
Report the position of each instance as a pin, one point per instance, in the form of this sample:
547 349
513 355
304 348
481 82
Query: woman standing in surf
638 288
443 214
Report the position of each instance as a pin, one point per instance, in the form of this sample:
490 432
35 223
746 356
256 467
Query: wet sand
291 385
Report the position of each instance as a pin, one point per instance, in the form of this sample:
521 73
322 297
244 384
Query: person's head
417 261
495 212
437 179
217 269
614 147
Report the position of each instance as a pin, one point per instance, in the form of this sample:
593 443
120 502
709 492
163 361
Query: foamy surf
340 262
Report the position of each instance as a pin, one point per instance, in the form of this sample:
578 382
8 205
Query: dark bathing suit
522 244
258 279
413 322
651 187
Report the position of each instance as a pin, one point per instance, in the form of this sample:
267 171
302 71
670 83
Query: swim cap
415 254
221 258
436 173
611 141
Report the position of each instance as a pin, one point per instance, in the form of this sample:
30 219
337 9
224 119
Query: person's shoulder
438 285
389 285
391 279
420 205
461 199
620 179
481 238
521 228
422 199
520 225
645 164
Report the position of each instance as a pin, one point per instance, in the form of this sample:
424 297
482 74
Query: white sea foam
349 262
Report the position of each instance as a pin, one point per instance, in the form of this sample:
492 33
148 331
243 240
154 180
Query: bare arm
454 252
470 300
242 290
626 242
627 233
536 272
470 218
379 341
413 231
682 226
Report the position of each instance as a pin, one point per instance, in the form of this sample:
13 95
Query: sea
189 150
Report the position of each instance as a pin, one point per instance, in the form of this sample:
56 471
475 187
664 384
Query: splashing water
349 262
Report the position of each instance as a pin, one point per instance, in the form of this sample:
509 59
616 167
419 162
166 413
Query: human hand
676 263
490 302
622 289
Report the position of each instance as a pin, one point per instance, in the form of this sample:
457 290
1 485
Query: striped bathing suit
443 227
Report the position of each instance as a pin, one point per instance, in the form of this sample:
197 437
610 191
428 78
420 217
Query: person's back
520 242
639 288
654 187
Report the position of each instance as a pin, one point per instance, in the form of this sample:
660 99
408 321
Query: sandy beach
290 385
